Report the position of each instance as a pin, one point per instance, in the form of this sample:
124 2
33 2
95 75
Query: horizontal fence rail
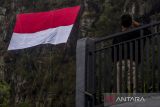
127 62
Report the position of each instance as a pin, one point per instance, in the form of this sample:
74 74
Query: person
127 23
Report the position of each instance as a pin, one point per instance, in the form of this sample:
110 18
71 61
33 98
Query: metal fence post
84 73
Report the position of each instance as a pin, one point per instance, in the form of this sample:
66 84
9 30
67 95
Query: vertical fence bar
107 74
110 72
103 72
120 68
156 59
142 61
115 68
147 65
90 73
158 43
154 56
153 63
131 67
126 68
96 77
106 80
136 66
99 76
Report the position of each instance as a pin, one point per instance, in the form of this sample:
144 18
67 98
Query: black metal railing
126 62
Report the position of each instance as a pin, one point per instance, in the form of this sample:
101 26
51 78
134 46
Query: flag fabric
52 27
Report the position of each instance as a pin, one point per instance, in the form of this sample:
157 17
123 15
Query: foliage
23 104
4 94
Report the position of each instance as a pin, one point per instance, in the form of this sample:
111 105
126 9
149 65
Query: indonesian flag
52 27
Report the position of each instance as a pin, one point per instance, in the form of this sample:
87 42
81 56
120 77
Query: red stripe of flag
34 22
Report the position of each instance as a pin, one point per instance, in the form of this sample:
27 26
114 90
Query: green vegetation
4 94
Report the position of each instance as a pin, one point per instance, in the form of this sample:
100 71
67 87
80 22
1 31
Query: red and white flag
53 27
